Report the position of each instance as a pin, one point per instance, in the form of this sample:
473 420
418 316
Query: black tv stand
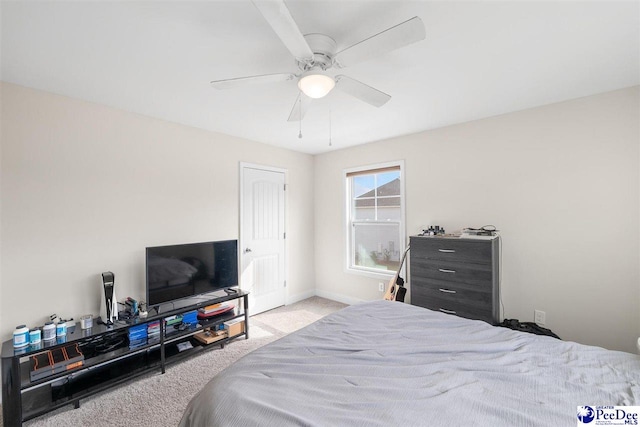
109 359
231 291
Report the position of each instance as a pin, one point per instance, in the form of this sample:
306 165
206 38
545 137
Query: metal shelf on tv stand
23 399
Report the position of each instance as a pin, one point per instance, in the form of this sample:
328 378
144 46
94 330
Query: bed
386 363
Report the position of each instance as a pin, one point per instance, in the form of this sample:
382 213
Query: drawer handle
444 310
447 291
448 251
444 270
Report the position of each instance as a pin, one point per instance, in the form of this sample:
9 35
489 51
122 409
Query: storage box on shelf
234 327
108 356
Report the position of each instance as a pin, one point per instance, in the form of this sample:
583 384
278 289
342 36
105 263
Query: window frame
348 235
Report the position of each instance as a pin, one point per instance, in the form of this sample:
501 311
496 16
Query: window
375 218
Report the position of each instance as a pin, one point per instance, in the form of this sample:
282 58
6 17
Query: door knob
247 250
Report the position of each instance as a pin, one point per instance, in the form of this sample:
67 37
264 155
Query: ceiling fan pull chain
330 128
300 133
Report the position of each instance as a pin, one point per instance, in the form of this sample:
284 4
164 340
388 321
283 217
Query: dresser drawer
478 274
452 250
471 310
455 293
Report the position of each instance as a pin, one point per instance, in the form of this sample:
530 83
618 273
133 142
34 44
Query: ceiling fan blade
278 16
400 35
362 91
300 107
244 81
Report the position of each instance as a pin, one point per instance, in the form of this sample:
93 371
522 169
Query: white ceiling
479 59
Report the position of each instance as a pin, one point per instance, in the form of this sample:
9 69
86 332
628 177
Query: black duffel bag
530 327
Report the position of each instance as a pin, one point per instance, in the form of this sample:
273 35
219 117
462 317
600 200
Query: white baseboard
299 297
291 299
338 297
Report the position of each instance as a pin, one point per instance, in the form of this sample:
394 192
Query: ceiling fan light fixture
315 84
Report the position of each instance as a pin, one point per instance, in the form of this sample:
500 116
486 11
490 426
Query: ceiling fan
315 54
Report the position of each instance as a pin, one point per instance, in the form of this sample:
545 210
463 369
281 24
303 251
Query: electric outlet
381 286
539 317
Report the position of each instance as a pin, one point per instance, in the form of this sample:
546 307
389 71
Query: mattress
386 363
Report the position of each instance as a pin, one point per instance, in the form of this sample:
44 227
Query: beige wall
2 336
85 188
561 182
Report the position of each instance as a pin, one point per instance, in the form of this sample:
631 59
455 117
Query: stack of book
137 336
487 232
215 309
171 324
172 320
153 331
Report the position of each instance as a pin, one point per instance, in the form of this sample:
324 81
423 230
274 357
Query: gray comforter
392 364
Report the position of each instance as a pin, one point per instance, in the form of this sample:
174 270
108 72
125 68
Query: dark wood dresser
456 276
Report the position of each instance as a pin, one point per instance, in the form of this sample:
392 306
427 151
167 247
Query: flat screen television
181 271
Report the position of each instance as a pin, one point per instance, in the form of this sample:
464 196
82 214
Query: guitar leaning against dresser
396 290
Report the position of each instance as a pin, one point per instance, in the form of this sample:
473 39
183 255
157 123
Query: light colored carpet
159 400
289 322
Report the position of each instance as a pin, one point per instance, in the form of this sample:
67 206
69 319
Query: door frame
241 242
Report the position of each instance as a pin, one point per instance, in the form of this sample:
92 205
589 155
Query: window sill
370 274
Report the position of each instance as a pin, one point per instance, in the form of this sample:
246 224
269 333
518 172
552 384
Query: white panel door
263 238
